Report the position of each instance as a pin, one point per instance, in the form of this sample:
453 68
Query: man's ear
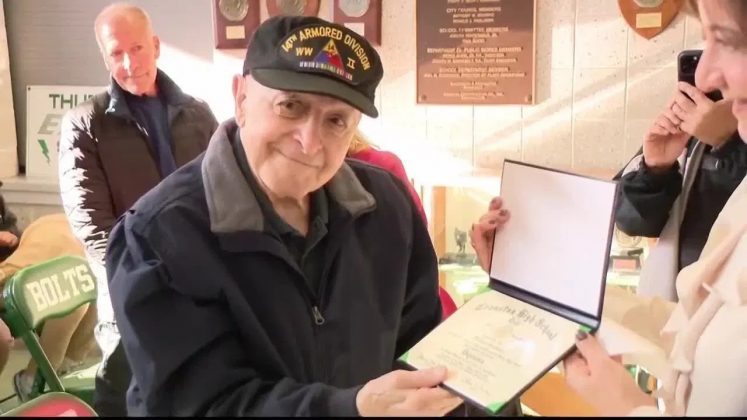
106 61
239 95
104 54
157 46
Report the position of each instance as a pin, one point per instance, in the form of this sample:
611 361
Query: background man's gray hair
120 9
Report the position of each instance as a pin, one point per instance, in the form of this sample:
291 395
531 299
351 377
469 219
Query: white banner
45 107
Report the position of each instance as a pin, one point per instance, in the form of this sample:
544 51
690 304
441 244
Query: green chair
52 404
51 289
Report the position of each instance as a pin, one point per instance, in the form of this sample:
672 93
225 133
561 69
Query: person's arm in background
393 164
9 232
645 198
85 192
422 310
652 181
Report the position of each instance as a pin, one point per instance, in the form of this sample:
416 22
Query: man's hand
603 381
8 239
482 233
407 394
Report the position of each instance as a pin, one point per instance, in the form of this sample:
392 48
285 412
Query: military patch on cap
327 50
309 54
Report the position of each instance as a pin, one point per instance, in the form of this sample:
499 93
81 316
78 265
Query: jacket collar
170 91
232 205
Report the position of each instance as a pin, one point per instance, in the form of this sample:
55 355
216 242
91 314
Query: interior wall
599 84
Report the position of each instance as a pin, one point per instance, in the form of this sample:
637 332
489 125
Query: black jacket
106 160
646 199
216 317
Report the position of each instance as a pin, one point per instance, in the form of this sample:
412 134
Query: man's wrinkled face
130 52
295 142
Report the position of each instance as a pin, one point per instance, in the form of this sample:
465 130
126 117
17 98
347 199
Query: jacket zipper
313 300
325 369
318 317
318 354
319 321
322 370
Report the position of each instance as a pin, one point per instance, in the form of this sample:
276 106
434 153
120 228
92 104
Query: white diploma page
494 347
556 243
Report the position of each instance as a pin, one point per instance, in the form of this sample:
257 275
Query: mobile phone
687 62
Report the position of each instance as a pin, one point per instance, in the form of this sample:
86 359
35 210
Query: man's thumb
425 378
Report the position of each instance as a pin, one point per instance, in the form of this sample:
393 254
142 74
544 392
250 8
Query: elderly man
115 148
270 276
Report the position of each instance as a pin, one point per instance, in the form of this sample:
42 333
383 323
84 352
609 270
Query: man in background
116 147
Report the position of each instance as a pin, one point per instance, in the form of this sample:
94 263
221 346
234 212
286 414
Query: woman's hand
602 381
482 233
710 122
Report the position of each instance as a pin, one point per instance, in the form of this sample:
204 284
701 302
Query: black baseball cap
309 54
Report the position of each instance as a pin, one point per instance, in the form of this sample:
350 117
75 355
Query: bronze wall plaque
362 16
234 22
475 51
292 7
649 18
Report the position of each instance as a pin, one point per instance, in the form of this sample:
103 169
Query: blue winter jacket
217 318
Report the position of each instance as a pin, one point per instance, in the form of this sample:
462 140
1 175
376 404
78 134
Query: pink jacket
390 162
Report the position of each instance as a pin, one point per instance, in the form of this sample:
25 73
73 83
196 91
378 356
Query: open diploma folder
547 281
